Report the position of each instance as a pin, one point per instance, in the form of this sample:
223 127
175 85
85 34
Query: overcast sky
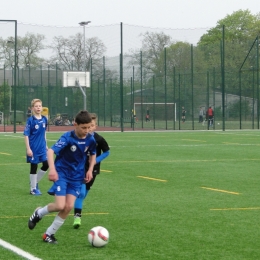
182 20
148 13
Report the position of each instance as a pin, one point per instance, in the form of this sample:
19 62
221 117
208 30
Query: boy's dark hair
83 117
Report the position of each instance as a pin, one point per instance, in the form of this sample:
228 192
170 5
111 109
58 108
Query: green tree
4 97
153 45
28 49
69 52
239 27
177 55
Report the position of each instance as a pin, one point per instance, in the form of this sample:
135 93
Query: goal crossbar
158 104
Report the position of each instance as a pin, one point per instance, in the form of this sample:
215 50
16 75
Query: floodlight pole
85 58
15 66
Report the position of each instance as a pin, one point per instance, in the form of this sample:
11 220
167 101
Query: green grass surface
164 195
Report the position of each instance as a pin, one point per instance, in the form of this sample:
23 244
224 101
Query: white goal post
174 104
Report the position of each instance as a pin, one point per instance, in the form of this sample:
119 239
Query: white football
98 236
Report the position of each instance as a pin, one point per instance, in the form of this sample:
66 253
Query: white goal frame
158 104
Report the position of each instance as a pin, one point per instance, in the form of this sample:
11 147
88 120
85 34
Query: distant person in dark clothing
147 117
183 115
201 113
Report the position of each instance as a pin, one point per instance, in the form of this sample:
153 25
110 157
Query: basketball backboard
71 77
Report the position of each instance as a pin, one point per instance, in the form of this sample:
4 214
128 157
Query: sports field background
133 75
162 195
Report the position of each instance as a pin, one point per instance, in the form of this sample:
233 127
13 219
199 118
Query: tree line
158 50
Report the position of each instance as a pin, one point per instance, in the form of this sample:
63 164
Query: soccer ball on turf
98 236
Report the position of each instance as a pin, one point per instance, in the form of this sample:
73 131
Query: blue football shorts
36 159
62 187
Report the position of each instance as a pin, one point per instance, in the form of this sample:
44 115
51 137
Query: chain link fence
143 78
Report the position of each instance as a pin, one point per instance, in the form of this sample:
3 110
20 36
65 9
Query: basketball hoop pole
84 94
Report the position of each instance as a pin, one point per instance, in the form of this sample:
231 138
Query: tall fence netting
160 74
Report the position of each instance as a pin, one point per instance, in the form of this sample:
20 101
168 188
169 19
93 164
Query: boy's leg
48 236
39 213
33 180
79 201
59 219
41 173
79 205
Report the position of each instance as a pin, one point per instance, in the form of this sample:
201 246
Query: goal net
156 111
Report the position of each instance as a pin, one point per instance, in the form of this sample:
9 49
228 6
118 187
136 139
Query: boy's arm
103 145
92 162
27 145
53 175
102 156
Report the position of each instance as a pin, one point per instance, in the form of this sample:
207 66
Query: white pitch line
18 251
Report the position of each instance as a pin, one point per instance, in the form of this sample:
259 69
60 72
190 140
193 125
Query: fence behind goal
127 82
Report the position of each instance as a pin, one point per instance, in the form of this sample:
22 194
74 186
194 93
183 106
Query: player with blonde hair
36 145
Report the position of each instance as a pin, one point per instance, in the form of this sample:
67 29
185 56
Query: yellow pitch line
254 208
51 215
105 171
153 179
230 143
225 191
193 140
5 153
10 163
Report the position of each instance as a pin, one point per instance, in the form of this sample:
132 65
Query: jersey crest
73 148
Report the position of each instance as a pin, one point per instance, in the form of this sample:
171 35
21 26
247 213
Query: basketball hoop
77 80
71 77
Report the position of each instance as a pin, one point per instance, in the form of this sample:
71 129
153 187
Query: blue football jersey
35 130
71 154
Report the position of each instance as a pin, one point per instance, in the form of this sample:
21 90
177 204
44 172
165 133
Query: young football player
102 152
36 145
67 172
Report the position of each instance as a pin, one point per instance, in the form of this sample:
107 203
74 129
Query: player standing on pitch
36 145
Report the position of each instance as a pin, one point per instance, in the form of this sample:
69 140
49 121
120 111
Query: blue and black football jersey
35 130
71 154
